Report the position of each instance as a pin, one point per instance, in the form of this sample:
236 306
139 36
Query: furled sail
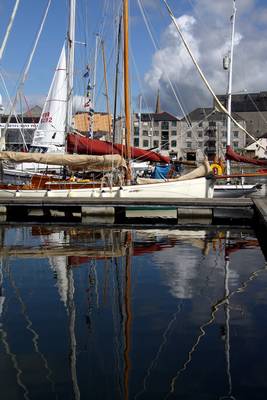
199 172
72 161
232 155
83 145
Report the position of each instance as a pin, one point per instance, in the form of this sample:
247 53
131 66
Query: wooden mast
126 88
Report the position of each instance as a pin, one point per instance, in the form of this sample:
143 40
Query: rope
156 48
220 106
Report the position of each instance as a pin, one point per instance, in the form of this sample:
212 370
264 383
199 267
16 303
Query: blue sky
207 28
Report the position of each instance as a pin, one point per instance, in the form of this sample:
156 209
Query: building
20 129
207 134
254 150
252 108
157 131
102 124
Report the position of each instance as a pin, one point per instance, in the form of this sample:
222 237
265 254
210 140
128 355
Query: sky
158 59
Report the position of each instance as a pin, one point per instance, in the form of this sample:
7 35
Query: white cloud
208 35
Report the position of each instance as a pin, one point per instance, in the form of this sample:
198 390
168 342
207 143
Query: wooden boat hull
195 188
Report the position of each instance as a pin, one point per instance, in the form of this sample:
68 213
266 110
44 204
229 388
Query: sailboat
191 187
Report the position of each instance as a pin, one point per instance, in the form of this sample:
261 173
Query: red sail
83 145
232 155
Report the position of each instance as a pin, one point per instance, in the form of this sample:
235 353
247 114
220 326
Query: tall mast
70 63
106 88
229 92
94 85
140 115
126 86
116 80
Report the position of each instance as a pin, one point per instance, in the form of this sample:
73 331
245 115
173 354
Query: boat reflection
137 326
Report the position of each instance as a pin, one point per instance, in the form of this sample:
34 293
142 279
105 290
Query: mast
116 80
227 319
70 63
140 115
126 88
94 86
106 88
229 92
127 318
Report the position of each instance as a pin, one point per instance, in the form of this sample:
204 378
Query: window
136 142
189 134
156 133
212 123
200 144
156 143
173 143
235 144
224 134
165 140
211 133
200 134
145 133
174 123
189 144
156 123
165 125
145 143
173 133
236 134
136 131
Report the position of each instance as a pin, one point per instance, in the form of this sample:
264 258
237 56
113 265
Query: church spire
158 111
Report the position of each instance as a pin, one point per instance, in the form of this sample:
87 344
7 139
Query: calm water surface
132 314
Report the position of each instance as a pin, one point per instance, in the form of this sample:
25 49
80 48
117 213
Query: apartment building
203 131
206 134
157 131
252 108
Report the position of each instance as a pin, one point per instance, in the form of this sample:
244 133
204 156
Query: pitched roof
163 116
34 112
209 114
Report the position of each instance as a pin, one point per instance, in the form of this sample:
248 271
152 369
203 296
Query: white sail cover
51 127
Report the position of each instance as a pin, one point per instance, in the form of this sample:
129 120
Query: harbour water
132 313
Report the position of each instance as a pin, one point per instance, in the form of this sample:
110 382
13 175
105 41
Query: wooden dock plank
124 202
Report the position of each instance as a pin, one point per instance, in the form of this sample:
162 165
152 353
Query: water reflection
127 314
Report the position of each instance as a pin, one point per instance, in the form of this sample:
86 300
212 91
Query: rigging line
165 339
26 70
214 308
219 105
167 75
35 336
9 27
3 337
14 113
196 125
153 364
257 108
